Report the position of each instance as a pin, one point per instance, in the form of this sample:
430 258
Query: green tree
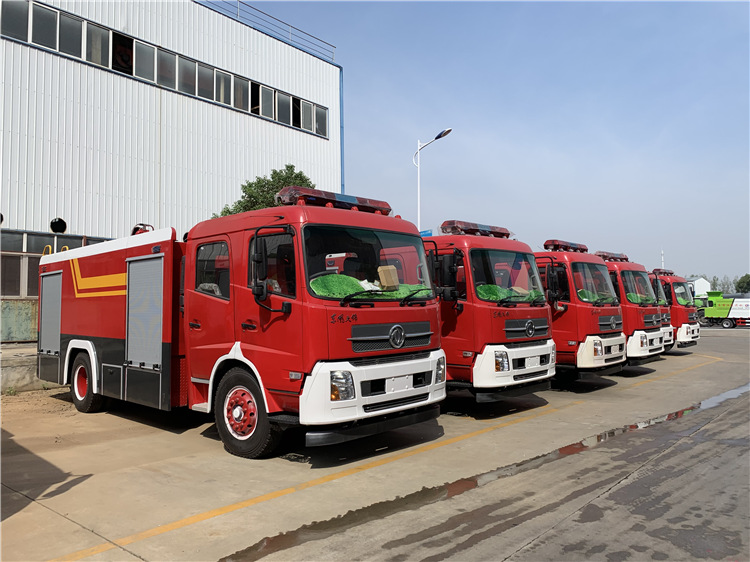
260 193
743 284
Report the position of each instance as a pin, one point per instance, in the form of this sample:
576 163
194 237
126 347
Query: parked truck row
330 314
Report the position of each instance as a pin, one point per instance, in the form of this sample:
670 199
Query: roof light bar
563 246
296 195
462 227
610 256
663 272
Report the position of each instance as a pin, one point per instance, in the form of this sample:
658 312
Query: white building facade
117 113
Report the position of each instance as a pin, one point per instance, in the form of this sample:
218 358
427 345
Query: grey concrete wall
19 319
18 368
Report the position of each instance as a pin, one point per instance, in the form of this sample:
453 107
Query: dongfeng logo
613 322
530 328
396 337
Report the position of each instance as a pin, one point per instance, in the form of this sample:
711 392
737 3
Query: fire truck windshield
593 283
353 264
682 293
505 277
638 290
661 298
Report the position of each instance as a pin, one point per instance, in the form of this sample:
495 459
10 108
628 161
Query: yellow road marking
199 517
666 376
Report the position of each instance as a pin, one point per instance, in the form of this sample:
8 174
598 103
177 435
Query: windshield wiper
605 300
348 298
406 300
507 301
538 301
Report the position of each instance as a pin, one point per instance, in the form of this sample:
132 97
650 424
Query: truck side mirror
260 290
260 259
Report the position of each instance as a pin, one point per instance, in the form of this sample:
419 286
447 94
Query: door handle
249 325
195 325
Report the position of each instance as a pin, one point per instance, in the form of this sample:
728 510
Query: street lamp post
415 160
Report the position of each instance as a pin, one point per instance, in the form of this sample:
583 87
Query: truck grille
652 319
610 323
529 328
382 337
395 403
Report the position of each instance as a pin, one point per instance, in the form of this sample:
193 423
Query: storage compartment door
49 328
144 372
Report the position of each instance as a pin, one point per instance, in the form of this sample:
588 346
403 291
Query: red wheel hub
241 412
81 382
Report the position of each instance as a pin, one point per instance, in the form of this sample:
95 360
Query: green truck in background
728 310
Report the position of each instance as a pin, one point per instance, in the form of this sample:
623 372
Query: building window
165 69
321 121
144 61
296 113
223 87
187 76
11 241
241 93
10 276
15 18
97 45
44 27
284 108
266 102
255 98
205 81
32 276
71 30
307 116
36 243
122 53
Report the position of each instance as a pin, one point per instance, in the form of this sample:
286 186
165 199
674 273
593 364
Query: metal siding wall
105 151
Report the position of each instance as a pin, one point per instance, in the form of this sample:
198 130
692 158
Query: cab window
280 266
212 269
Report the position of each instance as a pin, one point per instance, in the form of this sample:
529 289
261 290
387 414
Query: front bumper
644 346
667 333
527 364
380 389
688 334
613 352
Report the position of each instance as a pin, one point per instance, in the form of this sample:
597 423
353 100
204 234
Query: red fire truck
667 331
496 325
586 313
683 312
244 319
641 315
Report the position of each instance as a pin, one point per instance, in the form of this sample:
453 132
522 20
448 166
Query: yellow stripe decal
199 517
81 283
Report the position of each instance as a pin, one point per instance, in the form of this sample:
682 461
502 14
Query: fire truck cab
495 324
641 316
682 310
246 320
586 314
667 331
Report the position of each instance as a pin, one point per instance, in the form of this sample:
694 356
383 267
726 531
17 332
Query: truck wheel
241 416
82 386
727 323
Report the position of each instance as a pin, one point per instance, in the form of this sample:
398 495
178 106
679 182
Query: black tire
668 347
82 387
241 418
727 323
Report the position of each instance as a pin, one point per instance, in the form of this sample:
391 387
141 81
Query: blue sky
622 126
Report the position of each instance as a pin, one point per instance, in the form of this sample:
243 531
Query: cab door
270 329
209 305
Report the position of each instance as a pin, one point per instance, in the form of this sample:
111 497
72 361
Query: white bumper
527 364
667 333
688 333
613 350
396 380
645 344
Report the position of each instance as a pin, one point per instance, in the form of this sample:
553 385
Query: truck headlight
342 386
440 370
644 340
501 361
598 349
